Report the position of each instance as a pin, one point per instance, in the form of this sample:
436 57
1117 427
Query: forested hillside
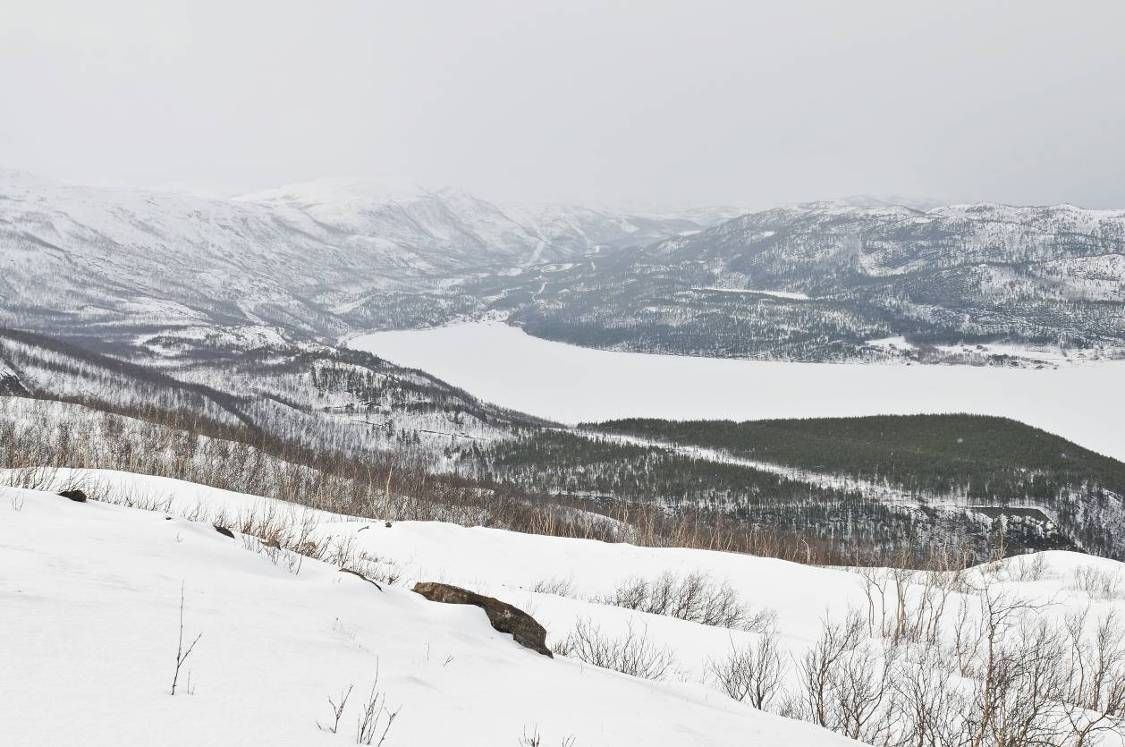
1038 488
975 456
859 488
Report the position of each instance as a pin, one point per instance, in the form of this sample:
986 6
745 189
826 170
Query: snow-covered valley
502 364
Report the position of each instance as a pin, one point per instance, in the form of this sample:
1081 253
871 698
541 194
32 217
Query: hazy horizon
612 103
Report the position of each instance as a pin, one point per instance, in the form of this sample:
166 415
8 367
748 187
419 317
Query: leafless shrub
268 523
16 501
279 556
1024 680
908 606
344 553
1099 584
695 597
534 740
337 711
965 644
1029 568
1016 699
1093 696
29 475
562 587
632 654
341 551
752 673
199 514
377 568
927 702
1038 683
181 653
846 682
375 718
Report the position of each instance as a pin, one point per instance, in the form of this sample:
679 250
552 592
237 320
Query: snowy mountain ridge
332 257
823 279
284 257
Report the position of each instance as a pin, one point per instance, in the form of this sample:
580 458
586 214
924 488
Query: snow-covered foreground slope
504 365
89 619
90 597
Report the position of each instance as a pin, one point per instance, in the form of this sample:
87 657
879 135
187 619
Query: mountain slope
822 280
864 488
300 258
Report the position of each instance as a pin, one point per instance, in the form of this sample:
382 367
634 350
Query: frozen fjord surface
504 365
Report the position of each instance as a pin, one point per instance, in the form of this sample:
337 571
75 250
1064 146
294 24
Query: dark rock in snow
75 495
503 616
223 531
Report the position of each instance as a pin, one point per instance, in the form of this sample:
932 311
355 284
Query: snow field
95 590
90 596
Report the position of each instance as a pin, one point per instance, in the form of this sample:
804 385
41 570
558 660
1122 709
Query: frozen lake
502 364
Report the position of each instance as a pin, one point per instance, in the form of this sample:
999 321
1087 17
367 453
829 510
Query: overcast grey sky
653 102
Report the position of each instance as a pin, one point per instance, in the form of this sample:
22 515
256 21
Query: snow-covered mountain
478 233
820 280
816 281
811 246
291 257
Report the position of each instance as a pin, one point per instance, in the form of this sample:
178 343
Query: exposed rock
503 616
77 496
223 531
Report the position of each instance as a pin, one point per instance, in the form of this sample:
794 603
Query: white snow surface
90 603
89 617
570 384
789 295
